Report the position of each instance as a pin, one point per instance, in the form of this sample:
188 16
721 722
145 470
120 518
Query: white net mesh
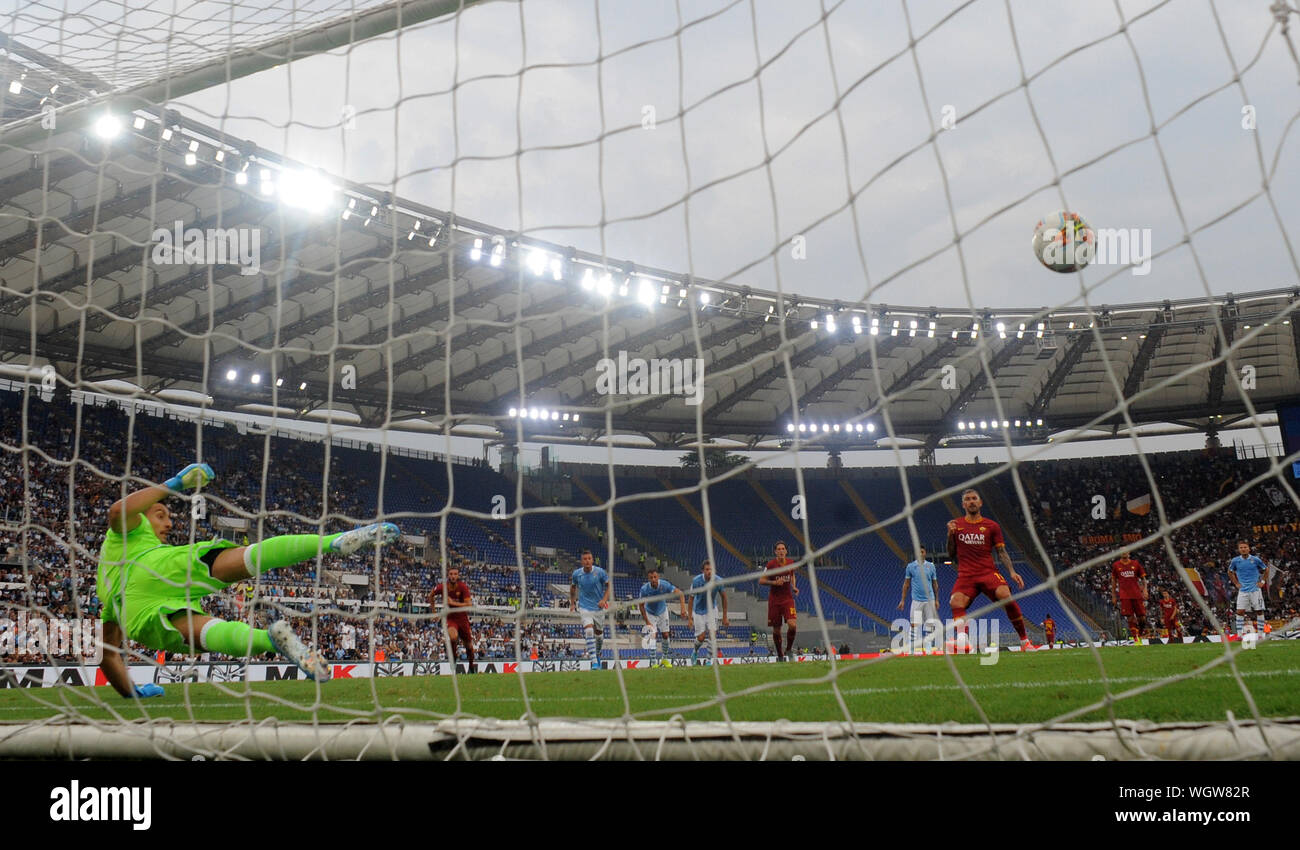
800 167
127 44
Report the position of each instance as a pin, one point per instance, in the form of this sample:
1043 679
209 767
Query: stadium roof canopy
388 311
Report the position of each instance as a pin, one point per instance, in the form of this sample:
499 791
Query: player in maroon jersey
780 599
1049 630
1169 614
1128 591
972 540
457 596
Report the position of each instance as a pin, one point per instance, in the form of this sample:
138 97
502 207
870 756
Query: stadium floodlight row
461 276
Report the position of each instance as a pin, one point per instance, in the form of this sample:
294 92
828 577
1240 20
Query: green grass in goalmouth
1020 688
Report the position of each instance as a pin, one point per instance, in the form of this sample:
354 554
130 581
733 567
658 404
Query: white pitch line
785 693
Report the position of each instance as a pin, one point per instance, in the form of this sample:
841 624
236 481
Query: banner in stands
1109 539
36 676
1288 526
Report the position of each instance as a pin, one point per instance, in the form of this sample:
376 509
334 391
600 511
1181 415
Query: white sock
203 634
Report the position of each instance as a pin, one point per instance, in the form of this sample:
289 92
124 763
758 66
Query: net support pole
241 63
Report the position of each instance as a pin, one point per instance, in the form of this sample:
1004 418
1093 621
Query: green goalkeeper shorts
162 582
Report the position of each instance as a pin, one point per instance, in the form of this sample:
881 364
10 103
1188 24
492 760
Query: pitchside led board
1288 419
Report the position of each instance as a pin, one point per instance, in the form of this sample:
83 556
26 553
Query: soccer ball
1064 242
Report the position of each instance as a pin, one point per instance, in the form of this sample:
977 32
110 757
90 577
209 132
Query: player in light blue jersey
1250 574
706 609
920 576
655 612
589 595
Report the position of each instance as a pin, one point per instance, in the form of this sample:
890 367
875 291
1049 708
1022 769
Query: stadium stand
860 579
1061 497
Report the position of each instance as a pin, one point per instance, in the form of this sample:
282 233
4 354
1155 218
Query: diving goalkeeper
151 591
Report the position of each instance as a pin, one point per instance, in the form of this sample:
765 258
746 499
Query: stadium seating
281 484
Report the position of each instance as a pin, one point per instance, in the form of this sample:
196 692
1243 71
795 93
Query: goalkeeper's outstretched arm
124 514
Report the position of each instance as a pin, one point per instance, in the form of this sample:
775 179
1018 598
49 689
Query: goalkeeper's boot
375 534
312 662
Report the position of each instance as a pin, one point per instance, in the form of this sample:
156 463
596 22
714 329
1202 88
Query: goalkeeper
151 591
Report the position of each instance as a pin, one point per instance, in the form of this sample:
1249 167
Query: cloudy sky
802 116
779 118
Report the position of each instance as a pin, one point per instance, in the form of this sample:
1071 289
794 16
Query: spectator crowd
1075 526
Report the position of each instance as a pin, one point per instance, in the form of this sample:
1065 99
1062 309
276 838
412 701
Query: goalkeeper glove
149 690
192 476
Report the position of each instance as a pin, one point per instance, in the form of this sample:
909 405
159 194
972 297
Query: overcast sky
445 109
788 117
531 116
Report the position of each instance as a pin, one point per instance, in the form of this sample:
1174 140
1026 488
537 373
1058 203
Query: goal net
664 285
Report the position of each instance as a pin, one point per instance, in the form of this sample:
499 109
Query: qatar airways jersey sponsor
976 540
1127 575
458 592
780 593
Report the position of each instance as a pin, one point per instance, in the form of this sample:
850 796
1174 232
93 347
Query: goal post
700 304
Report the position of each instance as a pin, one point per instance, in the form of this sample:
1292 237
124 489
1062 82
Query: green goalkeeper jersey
143 582
116 556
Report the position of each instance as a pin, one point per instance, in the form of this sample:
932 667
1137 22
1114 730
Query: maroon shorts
986 583
1051 636
1132 606
459 622
1171 623
779 612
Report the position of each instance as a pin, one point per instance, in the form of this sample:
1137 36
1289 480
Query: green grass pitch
1020 688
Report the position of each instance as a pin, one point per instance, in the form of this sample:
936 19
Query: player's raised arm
124 515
